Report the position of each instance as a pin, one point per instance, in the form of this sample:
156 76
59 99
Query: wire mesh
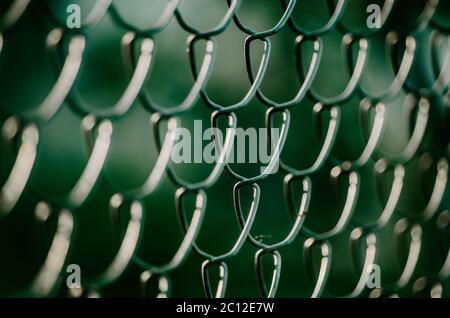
362 174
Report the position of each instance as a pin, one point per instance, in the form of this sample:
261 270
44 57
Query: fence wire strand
127 207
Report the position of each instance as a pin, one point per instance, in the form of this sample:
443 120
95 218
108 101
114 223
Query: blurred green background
26 76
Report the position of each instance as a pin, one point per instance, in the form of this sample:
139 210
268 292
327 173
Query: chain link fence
357 208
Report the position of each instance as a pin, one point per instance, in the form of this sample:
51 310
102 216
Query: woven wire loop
21 133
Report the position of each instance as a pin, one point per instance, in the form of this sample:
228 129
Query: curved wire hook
276 260
49 274
436 25
441 73
435 281
160 24
20 173
403 70
421 122
424 18
191 232
437 193
369 258
364 269
266 33
13 14
243 235
128 246
311 74
415 232
325 264
347 210
219 28
154 177
98 150
222 283
272 249
347 43
276 148
134 86
97 157
372 140
380 169
327 145
66 78
331 23
438 71
221 159
96 15
442 222
300 215
220 260
256 81
413 253
201 79
254 84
